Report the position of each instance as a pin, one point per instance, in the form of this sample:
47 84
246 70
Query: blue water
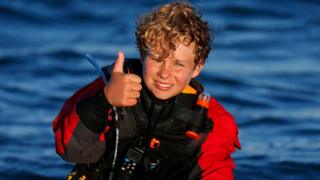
265 70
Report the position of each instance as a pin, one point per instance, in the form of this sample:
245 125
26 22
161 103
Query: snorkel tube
102 75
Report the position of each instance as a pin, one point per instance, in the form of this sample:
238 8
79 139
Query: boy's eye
157 60
179 64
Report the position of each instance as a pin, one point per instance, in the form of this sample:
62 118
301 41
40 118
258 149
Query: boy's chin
163 96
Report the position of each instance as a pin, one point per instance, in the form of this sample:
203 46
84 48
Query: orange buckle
154 143
192 135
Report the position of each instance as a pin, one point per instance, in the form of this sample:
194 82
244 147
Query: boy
168 129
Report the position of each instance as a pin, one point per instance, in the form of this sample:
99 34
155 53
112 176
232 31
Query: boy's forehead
157 49
181 52
185 51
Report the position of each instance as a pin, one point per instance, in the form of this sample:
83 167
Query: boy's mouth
163 86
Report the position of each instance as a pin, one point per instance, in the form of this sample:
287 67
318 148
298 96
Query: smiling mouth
163 86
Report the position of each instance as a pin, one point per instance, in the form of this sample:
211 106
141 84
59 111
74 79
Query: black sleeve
93 112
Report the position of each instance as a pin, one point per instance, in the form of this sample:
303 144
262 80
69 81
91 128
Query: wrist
105 93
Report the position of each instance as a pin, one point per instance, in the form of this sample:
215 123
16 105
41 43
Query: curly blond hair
159 31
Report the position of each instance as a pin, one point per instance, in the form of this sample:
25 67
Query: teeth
163 85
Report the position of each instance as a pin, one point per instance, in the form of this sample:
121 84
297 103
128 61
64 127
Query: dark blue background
265 70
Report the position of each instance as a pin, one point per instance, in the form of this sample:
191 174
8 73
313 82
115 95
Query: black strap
187 115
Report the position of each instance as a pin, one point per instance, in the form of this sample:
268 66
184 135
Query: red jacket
76 142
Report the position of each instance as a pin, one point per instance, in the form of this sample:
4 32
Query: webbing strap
187 115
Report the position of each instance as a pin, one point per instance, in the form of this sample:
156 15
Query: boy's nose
164 71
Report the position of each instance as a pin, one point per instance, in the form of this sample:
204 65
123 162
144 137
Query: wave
290 169
243 102
303 131
278 170
252 11
51 12
265 121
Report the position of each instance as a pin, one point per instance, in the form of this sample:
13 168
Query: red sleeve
67 120
215 160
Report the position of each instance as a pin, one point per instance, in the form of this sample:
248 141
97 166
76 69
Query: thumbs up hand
122 89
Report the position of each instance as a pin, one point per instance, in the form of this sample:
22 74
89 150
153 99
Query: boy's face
168 77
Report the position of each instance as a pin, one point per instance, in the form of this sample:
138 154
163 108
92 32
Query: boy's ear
196 71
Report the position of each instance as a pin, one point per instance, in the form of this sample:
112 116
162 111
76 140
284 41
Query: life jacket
153 143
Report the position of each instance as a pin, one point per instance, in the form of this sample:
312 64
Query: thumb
118 65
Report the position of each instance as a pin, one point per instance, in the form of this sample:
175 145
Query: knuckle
126 87
135 77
